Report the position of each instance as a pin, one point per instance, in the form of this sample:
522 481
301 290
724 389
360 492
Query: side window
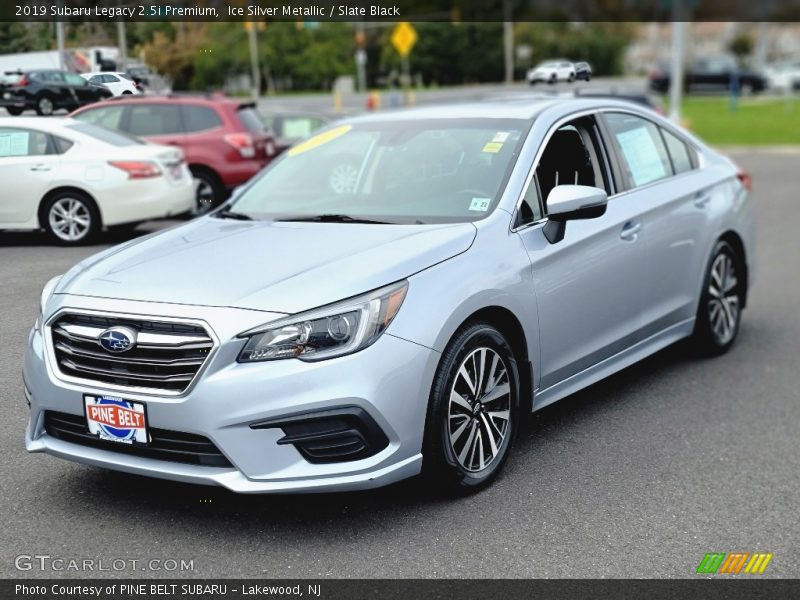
109 117
96 79
73 79
200 118
51 76
679 152
23 142
110 79
571 157
61 145
154 119
643 156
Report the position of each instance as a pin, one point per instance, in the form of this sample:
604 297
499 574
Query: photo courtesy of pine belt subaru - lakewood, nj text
391 296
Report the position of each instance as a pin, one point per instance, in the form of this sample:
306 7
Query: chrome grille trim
169 355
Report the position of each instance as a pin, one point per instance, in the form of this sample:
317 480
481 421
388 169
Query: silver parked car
336 328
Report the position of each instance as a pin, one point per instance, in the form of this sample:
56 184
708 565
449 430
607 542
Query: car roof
206 99
526 108
42 123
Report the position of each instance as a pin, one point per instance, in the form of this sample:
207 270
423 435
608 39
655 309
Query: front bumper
390 381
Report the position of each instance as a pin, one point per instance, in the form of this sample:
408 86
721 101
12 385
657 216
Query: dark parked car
224 140
641 97
47 90
583 70
715 73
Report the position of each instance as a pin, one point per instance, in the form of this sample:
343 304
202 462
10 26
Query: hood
264 265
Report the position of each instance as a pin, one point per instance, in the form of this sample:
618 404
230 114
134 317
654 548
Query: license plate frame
119 421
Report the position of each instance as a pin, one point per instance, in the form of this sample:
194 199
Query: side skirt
612 364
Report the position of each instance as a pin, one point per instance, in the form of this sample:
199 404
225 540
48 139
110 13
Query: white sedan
551 72
120 84
72 178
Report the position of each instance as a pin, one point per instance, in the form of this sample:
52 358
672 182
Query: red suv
224 140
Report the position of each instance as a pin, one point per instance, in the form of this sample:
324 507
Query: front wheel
473 411
720 312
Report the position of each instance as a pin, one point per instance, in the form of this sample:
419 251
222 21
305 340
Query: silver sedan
391 296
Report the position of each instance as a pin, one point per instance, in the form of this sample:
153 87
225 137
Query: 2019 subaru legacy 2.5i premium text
391 296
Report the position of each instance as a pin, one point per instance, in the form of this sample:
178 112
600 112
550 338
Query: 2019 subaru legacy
391 296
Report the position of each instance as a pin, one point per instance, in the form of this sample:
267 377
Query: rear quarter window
200 118
250 119
680 153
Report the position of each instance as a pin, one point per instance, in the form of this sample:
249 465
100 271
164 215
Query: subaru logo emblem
118 339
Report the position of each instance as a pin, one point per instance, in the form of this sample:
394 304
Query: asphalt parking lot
638 476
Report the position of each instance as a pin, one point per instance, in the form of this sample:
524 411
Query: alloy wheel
479 410
723 303
46 106
204 193
70 219
343 178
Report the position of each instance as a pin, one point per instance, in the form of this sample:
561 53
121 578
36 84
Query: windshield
428 171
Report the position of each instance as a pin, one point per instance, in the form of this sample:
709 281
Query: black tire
210 191
85 208
442 468
708 338
127 93
45 106
14 111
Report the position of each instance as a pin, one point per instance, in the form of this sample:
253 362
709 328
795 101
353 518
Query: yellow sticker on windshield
492 147
319 140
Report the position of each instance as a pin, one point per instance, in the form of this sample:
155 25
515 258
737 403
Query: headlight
47 292
333 330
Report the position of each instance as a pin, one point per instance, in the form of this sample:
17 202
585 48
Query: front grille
173 446
167 356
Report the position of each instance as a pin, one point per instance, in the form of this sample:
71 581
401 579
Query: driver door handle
40 168
630 231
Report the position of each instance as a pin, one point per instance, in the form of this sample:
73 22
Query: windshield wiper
229 214
332 218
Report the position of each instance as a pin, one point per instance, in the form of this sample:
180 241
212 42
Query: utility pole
122 42
255 69
60 44
676 69
508 41
361 57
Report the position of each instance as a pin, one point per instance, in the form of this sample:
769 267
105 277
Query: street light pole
676 68
508 41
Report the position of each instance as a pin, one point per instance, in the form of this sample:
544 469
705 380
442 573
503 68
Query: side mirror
570 202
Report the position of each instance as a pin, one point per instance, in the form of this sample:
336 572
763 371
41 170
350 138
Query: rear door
661 177
28 163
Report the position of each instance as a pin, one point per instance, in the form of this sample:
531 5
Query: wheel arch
736 242
510 326
66 188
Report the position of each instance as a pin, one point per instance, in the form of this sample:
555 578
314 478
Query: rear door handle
40 168
630 231
701 199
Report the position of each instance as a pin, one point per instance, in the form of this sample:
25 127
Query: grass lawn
756 121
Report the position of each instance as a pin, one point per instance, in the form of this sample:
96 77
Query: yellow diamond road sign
404 36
